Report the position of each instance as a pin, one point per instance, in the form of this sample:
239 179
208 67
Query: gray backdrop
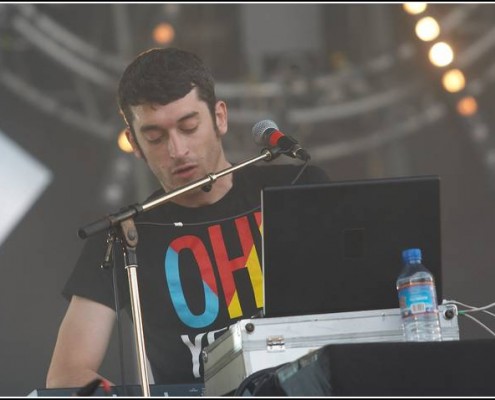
351 82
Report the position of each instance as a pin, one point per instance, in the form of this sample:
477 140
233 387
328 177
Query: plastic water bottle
418 300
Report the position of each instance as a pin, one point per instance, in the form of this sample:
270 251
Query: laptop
337 247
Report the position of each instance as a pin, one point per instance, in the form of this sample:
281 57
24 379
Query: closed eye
154 141
189 130
153 137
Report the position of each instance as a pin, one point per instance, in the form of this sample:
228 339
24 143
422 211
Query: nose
177 145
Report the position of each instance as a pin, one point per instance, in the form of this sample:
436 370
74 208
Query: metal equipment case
251 345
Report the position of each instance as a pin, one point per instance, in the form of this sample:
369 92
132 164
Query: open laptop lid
336 247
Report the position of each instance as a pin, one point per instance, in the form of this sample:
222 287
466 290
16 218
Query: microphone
89 389
266 133
92 387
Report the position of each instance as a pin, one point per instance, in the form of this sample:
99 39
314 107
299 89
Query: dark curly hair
163 75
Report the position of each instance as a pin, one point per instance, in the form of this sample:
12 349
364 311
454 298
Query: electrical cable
300 172
251 385
472 308
480 323
218 221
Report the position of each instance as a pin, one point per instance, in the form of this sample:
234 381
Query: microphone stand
129 249
125 219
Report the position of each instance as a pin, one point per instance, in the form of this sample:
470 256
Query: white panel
22 180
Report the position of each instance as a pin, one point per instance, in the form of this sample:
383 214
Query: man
197 278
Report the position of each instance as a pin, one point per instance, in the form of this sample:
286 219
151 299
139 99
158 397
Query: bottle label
417 299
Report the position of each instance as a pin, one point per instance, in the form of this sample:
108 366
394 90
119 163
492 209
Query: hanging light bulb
467 106
164 33
453 80
414 8
441 54
427 29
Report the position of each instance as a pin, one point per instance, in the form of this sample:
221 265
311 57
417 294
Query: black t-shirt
199 270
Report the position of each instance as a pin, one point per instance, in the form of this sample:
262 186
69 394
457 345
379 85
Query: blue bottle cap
411 255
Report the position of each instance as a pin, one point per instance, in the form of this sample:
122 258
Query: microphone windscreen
260 128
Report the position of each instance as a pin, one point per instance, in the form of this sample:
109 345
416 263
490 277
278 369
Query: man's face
179 140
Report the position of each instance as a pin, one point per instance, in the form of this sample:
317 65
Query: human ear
221 117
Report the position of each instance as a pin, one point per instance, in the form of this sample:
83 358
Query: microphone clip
271 153
294 151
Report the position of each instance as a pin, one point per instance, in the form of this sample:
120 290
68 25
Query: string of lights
462 92
351 92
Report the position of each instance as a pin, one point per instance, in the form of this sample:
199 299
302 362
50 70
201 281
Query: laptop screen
337 247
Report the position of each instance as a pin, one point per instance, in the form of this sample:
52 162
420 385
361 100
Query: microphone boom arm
136 209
